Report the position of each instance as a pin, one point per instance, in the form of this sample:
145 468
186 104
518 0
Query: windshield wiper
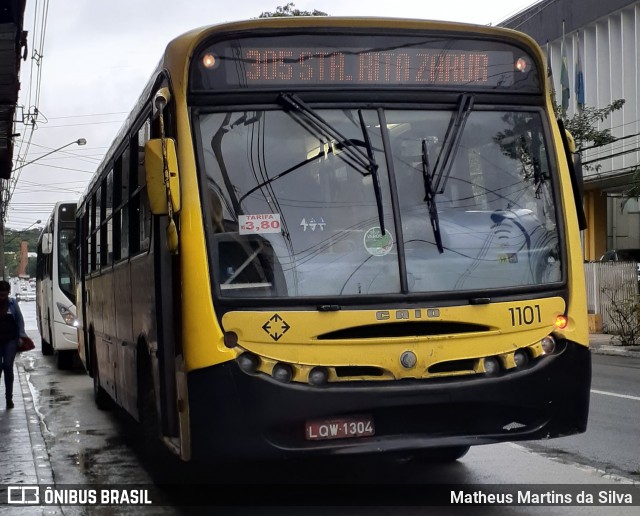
373 167
429 197
434 183
451 142
281 174
356 158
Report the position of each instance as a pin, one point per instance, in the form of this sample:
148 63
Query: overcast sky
96 56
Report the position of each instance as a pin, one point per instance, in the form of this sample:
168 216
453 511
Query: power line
609 143
66 168
636 149
95 114
78 125
550 2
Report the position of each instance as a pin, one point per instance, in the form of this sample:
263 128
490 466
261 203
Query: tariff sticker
252 224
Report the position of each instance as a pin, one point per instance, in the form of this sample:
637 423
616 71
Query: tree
633 190
583 125
290 10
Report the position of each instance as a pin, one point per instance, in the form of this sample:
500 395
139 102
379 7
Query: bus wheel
47 349
101 397
147 411
65 359
446 454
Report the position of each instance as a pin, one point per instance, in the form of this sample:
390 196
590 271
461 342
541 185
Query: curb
36 427
615 350
44 471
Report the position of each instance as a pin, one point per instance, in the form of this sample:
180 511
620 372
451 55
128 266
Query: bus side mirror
155 170
47 243
577 162
575 172
570 142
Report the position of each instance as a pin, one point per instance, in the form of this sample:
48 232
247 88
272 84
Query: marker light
248 362
561 322
318 376
282 372
521 65
230 339
491 366
209 61
548 345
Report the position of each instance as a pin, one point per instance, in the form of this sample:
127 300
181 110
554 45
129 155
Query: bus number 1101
525 315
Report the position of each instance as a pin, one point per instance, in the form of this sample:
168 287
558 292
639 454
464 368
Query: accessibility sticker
376 243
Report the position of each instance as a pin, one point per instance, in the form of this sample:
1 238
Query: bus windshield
465 206
66 262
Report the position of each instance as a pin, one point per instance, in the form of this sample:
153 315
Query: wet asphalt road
88 446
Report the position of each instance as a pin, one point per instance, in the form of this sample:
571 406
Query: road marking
627 396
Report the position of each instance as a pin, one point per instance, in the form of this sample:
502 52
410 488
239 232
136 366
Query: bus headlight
248 362
491 366
520 358
68 316
282 372
548 345
318 376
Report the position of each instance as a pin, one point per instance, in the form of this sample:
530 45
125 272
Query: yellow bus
338 236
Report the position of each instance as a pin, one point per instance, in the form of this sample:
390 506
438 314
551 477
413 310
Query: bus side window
144 134
107 223
126 191
117 205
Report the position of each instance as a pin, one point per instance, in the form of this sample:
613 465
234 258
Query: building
13 50
602 41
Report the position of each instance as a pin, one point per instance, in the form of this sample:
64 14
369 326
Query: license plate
339 428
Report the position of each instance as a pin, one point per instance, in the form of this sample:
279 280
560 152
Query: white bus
56 285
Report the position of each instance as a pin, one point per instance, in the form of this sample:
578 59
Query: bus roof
178 52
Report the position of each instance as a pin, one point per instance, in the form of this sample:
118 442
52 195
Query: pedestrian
11 332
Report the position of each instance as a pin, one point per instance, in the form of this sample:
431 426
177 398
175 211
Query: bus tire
47 349
65 359
100 396
147 412
443 455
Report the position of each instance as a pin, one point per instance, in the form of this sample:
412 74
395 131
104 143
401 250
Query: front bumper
235 415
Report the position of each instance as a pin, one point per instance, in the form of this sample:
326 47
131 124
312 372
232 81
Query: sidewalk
604 344
24 458
23 453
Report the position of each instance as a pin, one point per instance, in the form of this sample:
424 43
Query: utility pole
4 196
2 241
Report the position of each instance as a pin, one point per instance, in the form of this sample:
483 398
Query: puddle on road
112 464
28 361
35 395
54 396
84 459
79 431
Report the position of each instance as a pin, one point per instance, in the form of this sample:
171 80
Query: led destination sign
285 61
285 66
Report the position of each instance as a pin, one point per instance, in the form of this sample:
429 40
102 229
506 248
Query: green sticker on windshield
376 243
